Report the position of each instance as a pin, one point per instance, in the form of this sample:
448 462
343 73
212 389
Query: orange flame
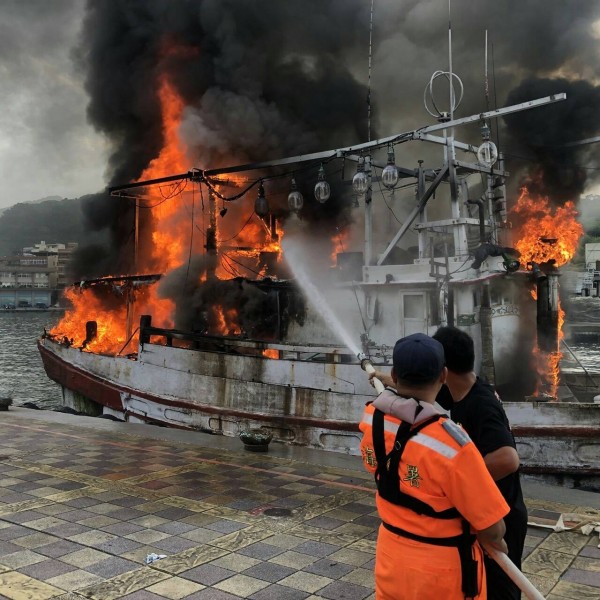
171 235
339 245
546 234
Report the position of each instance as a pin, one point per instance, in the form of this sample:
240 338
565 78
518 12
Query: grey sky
47 147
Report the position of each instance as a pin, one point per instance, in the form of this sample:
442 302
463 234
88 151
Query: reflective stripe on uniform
388 426
435 445
420 438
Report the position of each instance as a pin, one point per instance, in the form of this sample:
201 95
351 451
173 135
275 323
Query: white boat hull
315 404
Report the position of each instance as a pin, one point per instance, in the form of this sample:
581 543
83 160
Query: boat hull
224 394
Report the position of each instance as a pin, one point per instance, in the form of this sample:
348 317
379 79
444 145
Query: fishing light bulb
485 132
261 206
322 189
389 175
360 181
487 154
295 198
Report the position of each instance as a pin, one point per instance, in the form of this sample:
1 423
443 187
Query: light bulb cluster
322 191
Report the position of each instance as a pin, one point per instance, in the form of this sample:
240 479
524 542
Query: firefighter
435 496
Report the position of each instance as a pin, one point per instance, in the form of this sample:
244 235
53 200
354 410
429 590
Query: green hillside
53 221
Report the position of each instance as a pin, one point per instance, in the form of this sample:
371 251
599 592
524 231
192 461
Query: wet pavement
84 502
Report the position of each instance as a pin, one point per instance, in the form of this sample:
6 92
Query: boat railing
245 346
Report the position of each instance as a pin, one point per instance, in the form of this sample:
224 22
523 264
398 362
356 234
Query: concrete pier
84 501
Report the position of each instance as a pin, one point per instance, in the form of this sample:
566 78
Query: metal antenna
450 63
369 78
486 82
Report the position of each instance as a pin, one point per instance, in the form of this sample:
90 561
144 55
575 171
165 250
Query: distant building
64 252
592 257
35 278
588 281
28 281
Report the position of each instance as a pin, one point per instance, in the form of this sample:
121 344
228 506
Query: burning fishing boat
255 285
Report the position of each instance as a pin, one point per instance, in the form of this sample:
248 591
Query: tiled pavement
83 502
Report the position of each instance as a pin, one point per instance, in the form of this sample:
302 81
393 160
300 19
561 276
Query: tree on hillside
53 221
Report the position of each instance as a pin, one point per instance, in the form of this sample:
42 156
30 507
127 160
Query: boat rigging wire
369 76
127 342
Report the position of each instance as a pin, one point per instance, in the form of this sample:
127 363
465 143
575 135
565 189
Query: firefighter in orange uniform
435 495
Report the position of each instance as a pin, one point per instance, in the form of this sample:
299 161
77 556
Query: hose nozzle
367 366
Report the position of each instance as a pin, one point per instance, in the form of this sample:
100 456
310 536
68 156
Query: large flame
171 222
546 235
182 213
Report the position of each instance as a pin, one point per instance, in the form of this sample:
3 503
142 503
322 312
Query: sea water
22 375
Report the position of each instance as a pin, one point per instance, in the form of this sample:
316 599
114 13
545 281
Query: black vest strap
387 475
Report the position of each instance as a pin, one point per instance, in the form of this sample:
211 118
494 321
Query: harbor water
22 374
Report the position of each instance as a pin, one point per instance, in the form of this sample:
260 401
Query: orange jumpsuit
441 467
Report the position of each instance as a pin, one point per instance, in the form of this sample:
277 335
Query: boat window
413 317
413 306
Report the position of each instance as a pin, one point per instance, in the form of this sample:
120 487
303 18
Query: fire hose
367 366
509 567
502 559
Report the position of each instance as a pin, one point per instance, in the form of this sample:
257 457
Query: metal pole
368 214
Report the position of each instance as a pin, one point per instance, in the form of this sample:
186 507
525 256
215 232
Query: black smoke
259 79
557 169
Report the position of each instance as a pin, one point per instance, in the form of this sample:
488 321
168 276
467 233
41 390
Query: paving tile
328 568
293 559
545 562
212 594
279 592
74 580
18 586
241 585
307 582
22 558
567 542
175 588
575 591
586 563
346 590
83 558
111 566
9 548
46 569
208 574
362 577
261 550
269 571
236 562
319 549
591 551
584 577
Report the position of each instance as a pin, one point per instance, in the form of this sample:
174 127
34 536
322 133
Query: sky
55 133
47 146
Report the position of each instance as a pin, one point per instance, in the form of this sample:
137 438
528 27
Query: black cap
418 358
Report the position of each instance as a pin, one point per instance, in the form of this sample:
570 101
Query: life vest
387 479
